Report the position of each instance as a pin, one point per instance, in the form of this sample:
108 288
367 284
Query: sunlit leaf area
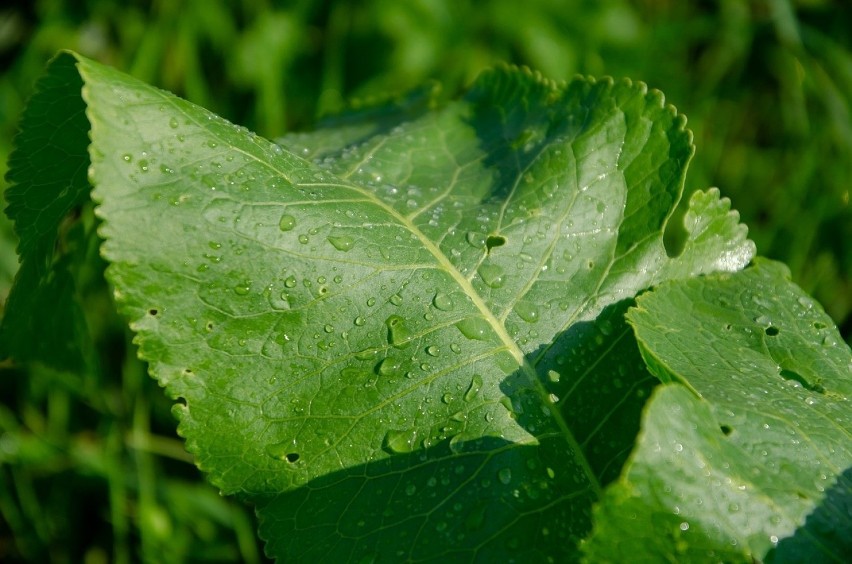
420 281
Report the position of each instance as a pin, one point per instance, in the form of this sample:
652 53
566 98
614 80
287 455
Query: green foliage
403 336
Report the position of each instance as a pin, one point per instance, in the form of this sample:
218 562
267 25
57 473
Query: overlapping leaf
403 339
751 457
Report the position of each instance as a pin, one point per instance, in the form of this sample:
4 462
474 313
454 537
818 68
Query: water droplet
143 165
290 282
447 398
328 328
410 489
342 243
527 311
166 170
173 123
433 350
475 239
388 367
505 476
398 333
287 222
395 299
401 441
242 289
371 302
360 321
442 302
455 347
492 275
366 354
475 328
127 157
282 451
473 389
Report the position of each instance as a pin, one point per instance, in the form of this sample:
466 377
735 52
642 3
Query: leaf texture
747 455
402 336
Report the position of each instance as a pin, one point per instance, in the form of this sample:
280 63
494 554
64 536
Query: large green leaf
402 337
751 457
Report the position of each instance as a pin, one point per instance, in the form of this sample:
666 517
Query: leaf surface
402 338
48 171
748 454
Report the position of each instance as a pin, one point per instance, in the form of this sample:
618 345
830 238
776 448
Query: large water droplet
475 328
527 311
242 289
388 367
401 441
290 282
366 354
282 451
173 123
342 243
398 333
492 275
287 222
395 299
442 301
433 350
475 239
473 389
505 476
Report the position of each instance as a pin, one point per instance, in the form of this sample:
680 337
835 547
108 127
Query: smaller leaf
734 469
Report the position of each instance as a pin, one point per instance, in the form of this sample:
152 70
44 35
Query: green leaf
42 319
403 338
747 457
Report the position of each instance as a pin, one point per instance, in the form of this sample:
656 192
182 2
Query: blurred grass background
91 468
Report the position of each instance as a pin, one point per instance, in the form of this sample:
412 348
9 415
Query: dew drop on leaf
360 321
398 333
366 354
395 299
303 239
475 328
433 350
505 476
442 301
287 222
173 123
282 451
492 275
388 367
242 289
473 389
290 282
527 311
401 441
475 239
342 243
